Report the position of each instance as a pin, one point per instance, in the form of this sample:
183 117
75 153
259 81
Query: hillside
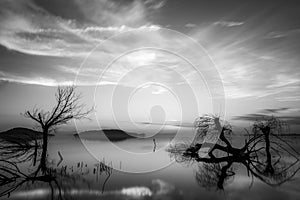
111 134
20 134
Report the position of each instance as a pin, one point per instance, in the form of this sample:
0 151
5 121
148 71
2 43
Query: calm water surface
82 176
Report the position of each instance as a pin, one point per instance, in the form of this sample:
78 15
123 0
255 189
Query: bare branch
67 107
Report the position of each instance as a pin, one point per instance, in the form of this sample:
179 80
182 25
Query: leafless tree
67 107
262 154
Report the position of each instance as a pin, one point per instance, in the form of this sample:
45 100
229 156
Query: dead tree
261 154
268 127
67 107
210 175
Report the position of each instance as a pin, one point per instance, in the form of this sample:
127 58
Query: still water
144 168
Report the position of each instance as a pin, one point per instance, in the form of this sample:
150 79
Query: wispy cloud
228 23
27 28
30 29
285 81
155 4
286 114
34 81
110 13
250 66
283 33
275 110
190 25
291 120
288 98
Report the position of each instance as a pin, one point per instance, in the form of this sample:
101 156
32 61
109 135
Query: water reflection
265 154
20 150
53 181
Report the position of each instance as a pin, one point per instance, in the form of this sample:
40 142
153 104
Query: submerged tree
270 129
262 154
211 175
67 107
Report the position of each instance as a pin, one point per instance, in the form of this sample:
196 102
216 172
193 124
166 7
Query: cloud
35 81
228 23
159 90
250 66
107 13
288 98
154 88
275 110
155 4
25 30
251 117
83 79
283 34
286 114
190 25
289 119
285 80
28 28
160 66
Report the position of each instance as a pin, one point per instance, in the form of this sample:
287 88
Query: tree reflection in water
265 154
59 180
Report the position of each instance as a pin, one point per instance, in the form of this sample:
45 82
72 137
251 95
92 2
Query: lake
145 168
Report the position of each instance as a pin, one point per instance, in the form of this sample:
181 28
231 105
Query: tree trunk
44 150
222 177
35 152
269 167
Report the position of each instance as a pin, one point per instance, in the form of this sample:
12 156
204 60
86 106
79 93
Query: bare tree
67 107
263 153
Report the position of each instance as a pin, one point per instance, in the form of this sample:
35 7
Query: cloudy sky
249 50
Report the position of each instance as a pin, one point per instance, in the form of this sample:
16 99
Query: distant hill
112 134
20 134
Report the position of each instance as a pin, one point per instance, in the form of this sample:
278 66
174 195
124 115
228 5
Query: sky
139 60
